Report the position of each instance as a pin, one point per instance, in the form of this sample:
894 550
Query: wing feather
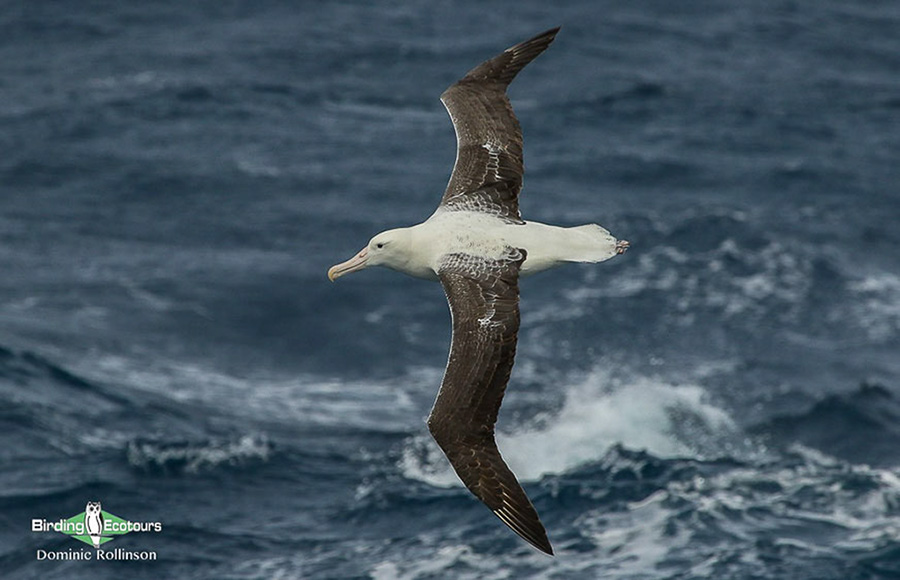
487 174
484 304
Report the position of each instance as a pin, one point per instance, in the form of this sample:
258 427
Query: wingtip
548 34
544 547
532 532
552 31
503 68
542 40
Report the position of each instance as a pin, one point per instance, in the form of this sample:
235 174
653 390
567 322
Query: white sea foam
776 273
666 420
812 506
305 400
452 557
195 458
256 162
636 539
878 306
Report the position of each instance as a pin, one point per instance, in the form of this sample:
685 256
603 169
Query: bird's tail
591 243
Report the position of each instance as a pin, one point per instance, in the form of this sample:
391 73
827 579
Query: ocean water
723 401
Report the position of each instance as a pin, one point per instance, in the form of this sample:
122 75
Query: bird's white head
390 249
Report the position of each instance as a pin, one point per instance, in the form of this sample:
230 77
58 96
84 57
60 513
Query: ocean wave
599 412
25 367
49 409
641 516
183 457
876 305
305 401
862 426
717 262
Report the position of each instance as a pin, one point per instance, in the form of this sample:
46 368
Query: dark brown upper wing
484 304
487 175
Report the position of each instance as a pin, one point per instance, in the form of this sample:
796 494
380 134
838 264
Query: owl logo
93 522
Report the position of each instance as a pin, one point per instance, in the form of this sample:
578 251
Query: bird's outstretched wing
487 175
484 304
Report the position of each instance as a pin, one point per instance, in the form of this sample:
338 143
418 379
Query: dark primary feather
484 304
487 175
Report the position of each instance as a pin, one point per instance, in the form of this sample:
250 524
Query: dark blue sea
721 402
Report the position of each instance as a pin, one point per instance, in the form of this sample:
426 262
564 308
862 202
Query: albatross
477 245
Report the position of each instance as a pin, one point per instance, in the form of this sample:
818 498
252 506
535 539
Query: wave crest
185 457
666 420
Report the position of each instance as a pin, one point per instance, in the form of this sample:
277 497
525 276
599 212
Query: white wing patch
494 150
487 321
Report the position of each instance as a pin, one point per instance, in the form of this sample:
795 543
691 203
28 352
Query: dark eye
379 245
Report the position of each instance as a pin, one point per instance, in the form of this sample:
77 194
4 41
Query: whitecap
599 411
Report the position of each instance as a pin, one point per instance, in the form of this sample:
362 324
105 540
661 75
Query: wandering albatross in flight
477 245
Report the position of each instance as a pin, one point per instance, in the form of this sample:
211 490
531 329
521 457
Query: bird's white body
420 249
